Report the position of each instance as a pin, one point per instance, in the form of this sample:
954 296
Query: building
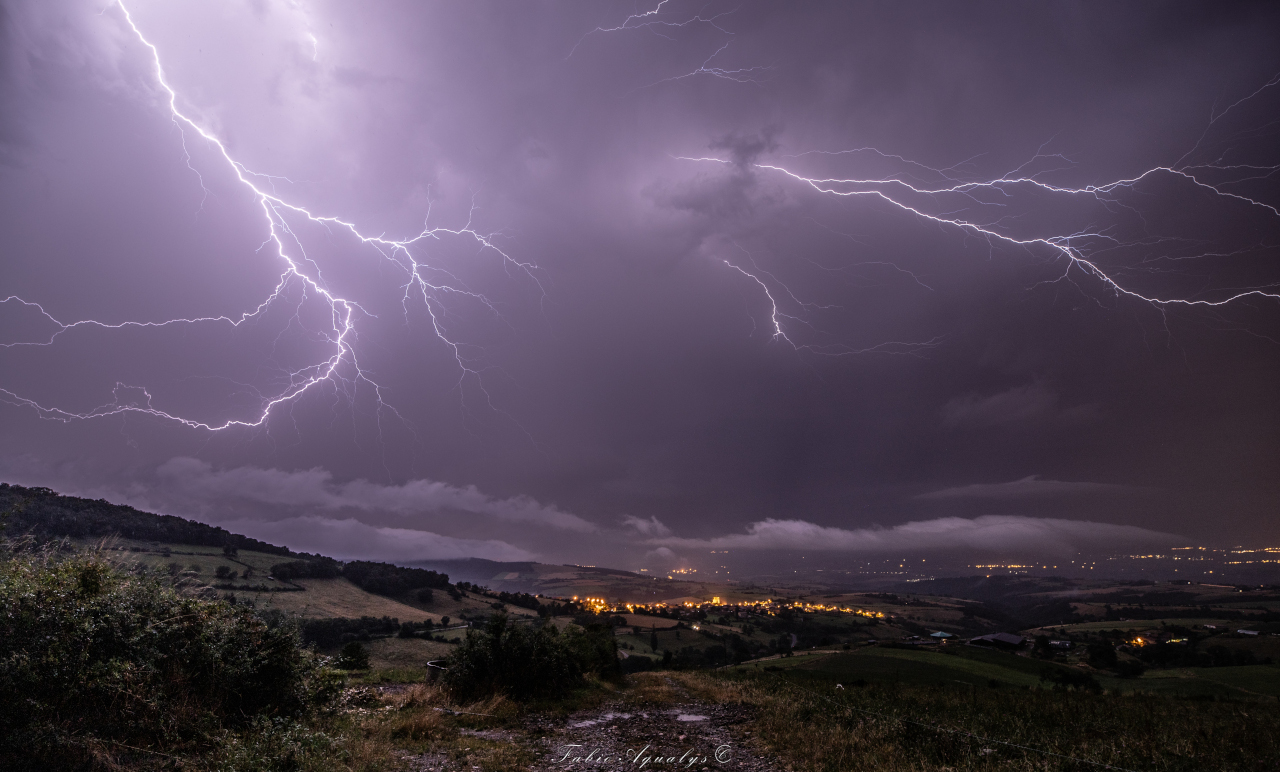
999 641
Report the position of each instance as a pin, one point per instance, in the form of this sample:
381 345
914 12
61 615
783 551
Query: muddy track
684 735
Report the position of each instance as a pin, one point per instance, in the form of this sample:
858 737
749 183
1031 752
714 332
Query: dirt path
682 735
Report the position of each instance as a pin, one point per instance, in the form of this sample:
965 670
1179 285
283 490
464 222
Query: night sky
601 315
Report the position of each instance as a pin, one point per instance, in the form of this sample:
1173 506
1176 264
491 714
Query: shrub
519 661
353 657
94 659
1102 655
595 649
329 633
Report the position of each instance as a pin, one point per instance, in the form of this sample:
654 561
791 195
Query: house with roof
999 641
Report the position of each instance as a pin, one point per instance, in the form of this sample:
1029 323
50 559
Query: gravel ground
687 735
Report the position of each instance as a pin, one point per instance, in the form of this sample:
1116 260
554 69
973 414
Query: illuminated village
769 607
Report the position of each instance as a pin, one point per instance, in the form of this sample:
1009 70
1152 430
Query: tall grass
896 727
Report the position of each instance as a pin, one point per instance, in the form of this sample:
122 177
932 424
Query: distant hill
47 514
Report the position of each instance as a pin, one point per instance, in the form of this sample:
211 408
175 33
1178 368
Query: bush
94 659
330 633
524 662
353 657
1102 655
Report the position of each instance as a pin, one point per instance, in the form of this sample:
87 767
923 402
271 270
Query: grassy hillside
986 669
44 513
159 643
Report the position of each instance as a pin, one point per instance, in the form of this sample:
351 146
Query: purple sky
600 313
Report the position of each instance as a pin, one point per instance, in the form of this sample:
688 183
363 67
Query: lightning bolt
650 21
341 367
1068 246
949 200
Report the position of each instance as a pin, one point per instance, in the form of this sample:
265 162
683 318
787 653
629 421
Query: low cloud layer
350 539
651 527
986 533
1019 406
316 489
1027 488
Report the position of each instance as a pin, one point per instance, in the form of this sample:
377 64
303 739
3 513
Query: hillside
663 618
374 597
47 514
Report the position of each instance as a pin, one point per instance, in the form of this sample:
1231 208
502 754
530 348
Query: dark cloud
1020 405
203 486
1031 487
668 352
984 535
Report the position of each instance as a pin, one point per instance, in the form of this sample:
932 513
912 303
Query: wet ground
686 735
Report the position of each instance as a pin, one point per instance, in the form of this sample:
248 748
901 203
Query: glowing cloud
990 532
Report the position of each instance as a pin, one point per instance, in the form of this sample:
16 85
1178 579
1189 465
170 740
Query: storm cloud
1030 487
316 489
522 279
982 535
349 539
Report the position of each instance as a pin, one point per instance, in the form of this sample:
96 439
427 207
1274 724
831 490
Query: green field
308 598
975 667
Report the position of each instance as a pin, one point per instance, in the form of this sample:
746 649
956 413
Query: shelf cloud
989 532
350 539
198 481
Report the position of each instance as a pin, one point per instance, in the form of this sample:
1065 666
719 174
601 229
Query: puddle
690 717
606 718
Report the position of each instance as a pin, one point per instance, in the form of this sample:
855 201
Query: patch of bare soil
681 734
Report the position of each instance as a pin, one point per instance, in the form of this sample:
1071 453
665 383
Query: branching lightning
950 198
949 202
651 21
893 190
342 366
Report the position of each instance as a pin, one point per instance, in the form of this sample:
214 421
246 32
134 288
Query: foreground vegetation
107 666
894 726
99 666
103 667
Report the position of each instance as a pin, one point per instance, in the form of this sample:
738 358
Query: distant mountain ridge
45 513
